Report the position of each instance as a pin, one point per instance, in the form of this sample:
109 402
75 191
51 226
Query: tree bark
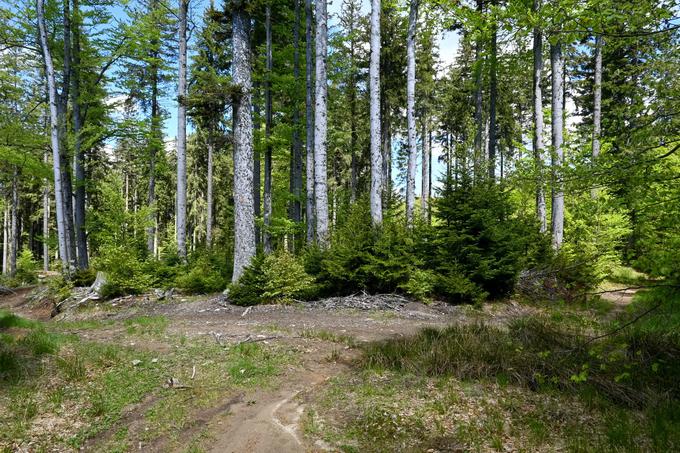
244 215
209 196
597 102
5 240
181 215
14 221
425 175
377 188
309 119
410 111
155 143
479 123
79 208
538 147
493 100
267 242
320 125
296 158
46 220
54 136
557 67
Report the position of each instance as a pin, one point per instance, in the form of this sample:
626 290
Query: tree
557 153
244 214
376 190
597 102
181 214
321 125
268 247
537 142
309 123
54 135
410 111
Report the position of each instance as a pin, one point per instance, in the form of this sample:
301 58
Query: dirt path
258 419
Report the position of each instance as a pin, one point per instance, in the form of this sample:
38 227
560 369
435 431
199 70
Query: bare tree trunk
309 112
538 146
296 158
557 67
244 215
54 136
597 102
268 247
156 137
209 201
5 240
257 164
493 99
425 176
377 183
46 220
181 215
79 208
410 111
479 123
14 220
320 125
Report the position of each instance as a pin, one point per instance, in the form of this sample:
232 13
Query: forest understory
356 373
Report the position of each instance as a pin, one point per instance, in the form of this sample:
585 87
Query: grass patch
77 390
331 337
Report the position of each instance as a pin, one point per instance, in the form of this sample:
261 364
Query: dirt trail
261 419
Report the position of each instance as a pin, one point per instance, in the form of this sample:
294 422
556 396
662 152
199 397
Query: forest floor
194 374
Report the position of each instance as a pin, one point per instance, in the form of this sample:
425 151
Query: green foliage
126 273
203 274
27 268
279 277
21 350
480 238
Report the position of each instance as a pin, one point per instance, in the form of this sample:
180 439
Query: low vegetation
538 383
58 391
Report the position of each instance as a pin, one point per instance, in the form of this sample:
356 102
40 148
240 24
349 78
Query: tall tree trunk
209 201
14 228
54 136
557 67
493 99
268 247
320 125
479 122
386 145
377 187
597 103
411 111
309 112
181 215
79 208
257 164
538 147
425 176
46 219
354 162
62 111
244 214
5 239
296 158
155 143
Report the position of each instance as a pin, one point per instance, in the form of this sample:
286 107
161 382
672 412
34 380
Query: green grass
538 385
87 386
331 337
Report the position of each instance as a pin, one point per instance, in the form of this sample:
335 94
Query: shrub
126 272
200 276
279 277
479 241
27 268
